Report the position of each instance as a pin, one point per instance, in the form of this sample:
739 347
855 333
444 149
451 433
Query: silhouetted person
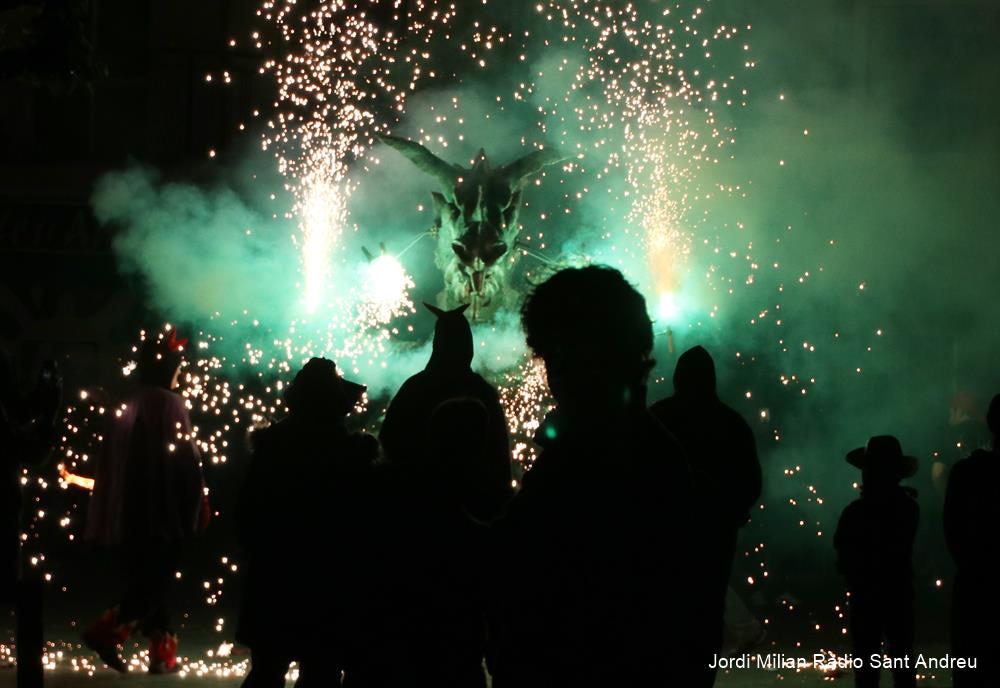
449 375
427 606
299 527
874 543
148 499
27 433
971 524
594 544
723 455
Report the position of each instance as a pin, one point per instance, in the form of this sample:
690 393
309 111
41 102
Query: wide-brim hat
319 384
884 452
353 391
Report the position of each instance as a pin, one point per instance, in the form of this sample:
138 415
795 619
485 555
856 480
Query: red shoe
104 636
163 653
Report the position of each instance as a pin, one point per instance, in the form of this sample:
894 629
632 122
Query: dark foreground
203 666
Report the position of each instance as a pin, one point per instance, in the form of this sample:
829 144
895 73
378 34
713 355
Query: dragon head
476 210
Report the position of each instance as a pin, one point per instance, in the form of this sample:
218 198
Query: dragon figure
475 220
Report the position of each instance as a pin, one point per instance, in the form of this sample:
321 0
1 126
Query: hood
452 346
694 376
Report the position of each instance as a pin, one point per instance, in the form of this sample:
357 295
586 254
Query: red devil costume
148 499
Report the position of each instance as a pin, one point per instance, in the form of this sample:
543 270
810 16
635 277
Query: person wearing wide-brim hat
883 454
874 543
299 527
318 389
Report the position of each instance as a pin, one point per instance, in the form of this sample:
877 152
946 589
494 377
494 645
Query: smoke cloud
840 266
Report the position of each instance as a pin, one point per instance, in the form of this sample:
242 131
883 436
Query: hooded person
299 521
971 521
425 609
874 544
723 454
448 375
149 499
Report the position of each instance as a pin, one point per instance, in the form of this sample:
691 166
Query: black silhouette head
882 460
591 328
452 347
694 376
993 417
319 391
160 359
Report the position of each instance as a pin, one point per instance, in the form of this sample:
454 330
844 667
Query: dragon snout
478 277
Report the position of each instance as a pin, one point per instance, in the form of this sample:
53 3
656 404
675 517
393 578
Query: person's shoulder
850 520
265 436
652 435
158 399
854 519
412 383
364 447
546 472
481 382
733 418
418 377
665 407
984 457
146 393
735 415
970 467
854 509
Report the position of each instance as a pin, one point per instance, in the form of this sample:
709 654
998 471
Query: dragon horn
175 344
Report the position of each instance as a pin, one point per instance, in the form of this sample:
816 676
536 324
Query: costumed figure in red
149 498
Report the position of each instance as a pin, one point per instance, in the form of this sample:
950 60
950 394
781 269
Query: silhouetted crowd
412 560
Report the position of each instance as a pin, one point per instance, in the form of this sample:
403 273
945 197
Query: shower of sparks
641 98
628 92
635 94
633 105
525 397
322 221
334 75
631 92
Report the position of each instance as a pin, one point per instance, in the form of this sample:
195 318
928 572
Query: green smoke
893 187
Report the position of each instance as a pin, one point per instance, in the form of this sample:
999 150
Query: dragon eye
461 252
494 253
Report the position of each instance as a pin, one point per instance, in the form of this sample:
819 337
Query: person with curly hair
594 544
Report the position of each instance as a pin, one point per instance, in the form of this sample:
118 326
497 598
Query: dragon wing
427 162
517 172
